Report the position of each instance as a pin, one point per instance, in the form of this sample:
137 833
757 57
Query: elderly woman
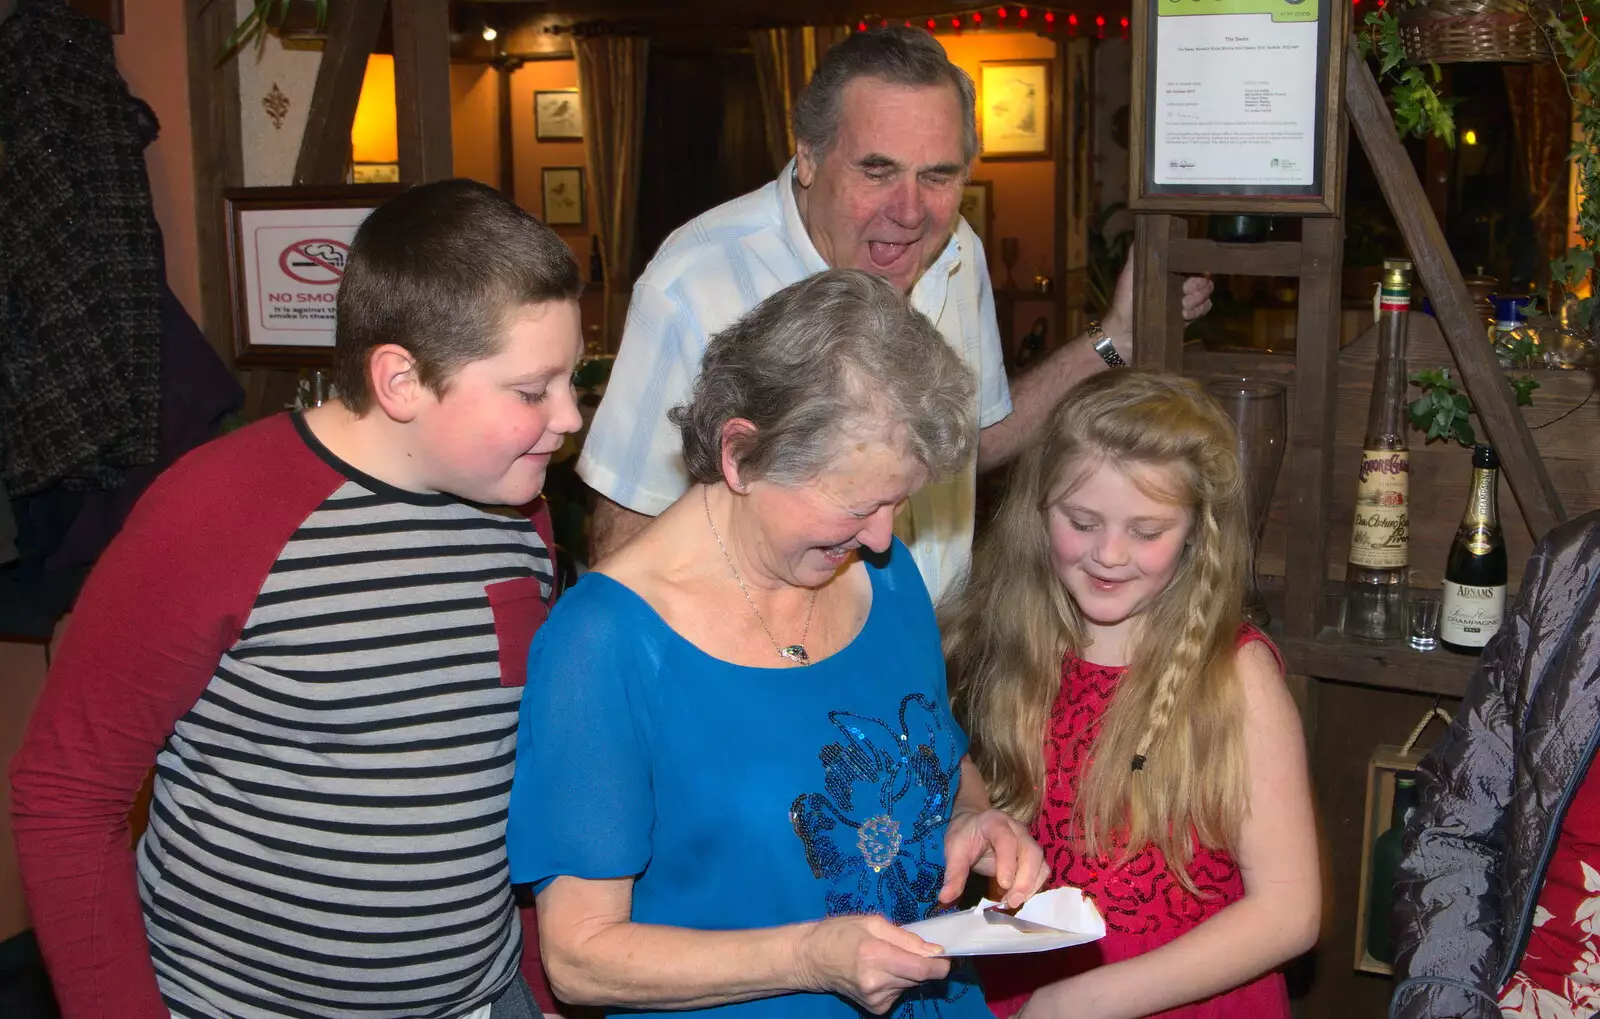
737 770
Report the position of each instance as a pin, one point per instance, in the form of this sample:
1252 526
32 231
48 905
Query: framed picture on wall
287 249
563 195
1238 109
375 173
1014 109
977 208
557 115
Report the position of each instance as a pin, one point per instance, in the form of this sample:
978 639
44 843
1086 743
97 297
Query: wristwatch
1102 346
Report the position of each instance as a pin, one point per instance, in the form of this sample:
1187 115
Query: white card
1071 919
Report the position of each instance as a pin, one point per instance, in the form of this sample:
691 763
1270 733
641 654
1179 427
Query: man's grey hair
897 55
838 356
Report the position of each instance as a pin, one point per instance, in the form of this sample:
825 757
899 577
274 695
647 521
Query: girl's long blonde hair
1170 755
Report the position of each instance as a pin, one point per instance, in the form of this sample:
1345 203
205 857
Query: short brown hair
438 270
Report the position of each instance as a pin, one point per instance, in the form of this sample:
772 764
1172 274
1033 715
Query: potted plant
1408 35
268 15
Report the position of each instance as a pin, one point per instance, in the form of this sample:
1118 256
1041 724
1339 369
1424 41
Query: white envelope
1072 919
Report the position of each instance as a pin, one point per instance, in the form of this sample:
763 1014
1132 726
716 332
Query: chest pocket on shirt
519 611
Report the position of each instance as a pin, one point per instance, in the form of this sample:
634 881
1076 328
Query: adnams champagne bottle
1475 572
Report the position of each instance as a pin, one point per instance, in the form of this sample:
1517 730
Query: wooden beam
1485 382
1311 444
353 27
218 160
422 89
505 67
1268 258
1157 292
1066 183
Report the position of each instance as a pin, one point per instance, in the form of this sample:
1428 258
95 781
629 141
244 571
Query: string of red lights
1042 19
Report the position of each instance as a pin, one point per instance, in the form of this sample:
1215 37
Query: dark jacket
1495 790
80 259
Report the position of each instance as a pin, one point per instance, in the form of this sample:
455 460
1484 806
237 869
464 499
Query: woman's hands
867 959
989 842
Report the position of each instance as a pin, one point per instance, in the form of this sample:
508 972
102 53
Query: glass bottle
1375 576
1475 572
1510 328
1031 348
1387 849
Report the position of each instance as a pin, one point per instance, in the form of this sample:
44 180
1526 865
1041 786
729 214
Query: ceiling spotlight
489 34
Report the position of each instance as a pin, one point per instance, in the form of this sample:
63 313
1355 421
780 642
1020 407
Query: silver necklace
795 653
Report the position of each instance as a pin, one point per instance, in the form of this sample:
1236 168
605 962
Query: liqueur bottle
1386 852
1375 577
1475 572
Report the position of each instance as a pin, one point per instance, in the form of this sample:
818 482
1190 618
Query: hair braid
1179 700
1187 656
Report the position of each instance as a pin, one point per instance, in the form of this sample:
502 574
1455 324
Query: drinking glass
1258 408
1424 627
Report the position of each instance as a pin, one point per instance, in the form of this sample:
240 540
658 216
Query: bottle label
1394 299
1480 540
1471 613
1381 537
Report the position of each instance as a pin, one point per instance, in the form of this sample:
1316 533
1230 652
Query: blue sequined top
742 797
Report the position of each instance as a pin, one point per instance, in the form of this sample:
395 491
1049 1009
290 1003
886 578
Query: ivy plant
1445 412
1419 110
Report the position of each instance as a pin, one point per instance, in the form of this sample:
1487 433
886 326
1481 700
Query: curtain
785 59
1541 112
611 80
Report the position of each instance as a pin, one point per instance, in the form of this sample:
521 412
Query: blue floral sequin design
876 832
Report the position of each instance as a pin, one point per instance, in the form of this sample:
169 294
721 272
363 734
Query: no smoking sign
317 261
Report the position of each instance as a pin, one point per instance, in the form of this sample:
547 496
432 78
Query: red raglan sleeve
167 598
537 511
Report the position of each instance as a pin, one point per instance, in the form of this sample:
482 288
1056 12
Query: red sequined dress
1144 906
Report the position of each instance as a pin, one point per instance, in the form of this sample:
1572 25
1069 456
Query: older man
885 132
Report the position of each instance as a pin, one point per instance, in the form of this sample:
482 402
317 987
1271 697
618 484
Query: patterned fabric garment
1144 905
739 797
80 333
1559 977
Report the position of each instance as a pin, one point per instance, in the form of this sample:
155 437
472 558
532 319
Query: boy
316 633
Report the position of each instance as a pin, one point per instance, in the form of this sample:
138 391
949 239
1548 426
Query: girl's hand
995 844
867 959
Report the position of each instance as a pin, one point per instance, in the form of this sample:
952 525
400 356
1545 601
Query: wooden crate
1386 761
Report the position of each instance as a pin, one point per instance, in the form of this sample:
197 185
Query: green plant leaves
1444 412
265 14
1418 107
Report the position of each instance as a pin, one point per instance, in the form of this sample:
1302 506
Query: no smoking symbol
316 260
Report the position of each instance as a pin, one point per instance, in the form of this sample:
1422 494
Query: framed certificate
1236 106
287 249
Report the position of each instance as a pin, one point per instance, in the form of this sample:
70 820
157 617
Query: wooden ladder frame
1167 254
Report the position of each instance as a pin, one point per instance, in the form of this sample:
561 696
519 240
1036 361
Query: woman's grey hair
839 354
897 55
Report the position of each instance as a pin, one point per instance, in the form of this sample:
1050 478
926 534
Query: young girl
1117 703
